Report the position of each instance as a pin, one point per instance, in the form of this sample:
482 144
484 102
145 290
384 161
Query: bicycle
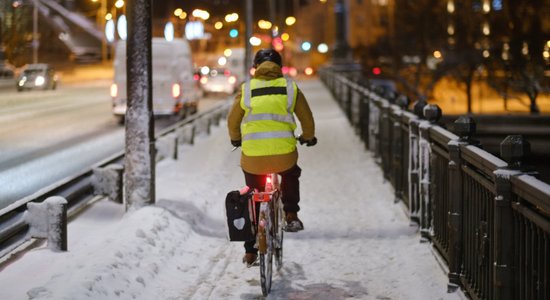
269 229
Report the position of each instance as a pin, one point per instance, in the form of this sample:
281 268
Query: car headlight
22 81
39 81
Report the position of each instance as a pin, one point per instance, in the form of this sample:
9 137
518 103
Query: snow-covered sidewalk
357 244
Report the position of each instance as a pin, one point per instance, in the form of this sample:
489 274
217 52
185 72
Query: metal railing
487 218
79 190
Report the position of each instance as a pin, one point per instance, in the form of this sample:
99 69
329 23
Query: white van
175 92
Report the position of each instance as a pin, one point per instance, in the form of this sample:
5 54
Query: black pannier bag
238 209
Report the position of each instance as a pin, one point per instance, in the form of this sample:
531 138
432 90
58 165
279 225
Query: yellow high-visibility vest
268 124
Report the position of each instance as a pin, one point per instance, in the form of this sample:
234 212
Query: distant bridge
80 35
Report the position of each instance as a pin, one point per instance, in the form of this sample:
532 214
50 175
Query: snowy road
46 136
357 244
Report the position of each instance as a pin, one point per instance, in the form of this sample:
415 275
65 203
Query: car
37 76
175 92
219 81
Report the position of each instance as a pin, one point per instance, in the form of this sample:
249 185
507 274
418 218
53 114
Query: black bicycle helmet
267 55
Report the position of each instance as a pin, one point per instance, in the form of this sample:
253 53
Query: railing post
364 116
48 220
349 101
397 155
432 114
385 139
512 149
464 127
414 205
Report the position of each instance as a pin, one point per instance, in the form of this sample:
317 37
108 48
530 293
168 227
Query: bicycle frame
269 234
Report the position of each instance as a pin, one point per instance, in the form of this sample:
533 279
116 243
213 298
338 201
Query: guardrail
79 190
487 217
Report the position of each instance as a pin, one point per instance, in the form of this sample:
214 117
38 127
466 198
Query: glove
308 143
236 143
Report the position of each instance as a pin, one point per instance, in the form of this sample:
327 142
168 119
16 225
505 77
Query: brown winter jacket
273 163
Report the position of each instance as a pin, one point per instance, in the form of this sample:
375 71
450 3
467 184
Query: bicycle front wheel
266 268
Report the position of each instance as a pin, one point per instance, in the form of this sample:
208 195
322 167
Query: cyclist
261 121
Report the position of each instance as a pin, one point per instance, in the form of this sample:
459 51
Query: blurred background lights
218 25
289 21
121 27
255 41
322 48
233 17
222 61
205 70
110 30
227 52
169 31
233 33
285 37
308 71
306 46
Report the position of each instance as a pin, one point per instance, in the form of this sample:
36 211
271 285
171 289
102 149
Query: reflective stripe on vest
268 124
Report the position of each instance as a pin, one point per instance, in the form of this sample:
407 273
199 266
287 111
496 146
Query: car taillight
176 90
114 90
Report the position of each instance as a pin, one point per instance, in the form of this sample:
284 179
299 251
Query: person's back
261 120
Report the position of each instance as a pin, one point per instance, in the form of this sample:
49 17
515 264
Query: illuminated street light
437 54
255 41
450 6
201 14
322 48
289 21
178 12
263 24
121 27
119 3
218 25
108 16
110 30
233 17
285 37
169 31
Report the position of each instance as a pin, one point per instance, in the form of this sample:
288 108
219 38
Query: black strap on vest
275 90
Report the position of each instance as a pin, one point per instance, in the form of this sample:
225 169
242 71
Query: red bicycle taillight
268 185
114 90
176 90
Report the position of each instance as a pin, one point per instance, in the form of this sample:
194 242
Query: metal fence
489 219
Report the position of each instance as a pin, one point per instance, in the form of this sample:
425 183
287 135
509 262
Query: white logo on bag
239 223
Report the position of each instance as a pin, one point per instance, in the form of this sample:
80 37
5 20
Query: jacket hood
268 70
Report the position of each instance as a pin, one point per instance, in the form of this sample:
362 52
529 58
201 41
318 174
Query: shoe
293 224
250 259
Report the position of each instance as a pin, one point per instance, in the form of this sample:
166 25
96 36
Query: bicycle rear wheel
266 247
278 231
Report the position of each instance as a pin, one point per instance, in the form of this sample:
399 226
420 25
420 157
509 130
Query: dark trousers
290 188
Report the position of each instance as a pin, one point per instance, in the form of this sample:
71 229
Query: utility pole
247 36
35 41
342 57
101 19
139 160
